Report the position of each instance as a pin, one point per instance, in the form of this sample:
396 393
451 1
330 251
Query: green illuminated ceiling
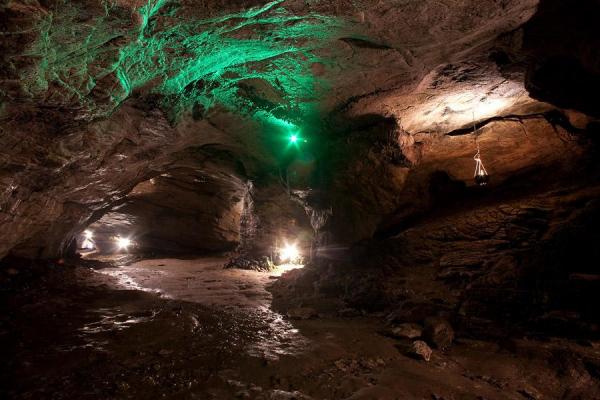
255 62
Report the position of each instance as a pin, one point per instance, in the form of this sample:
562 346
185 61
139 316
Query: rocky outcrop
390 191
524 263
438 332
83 123
382 96
565 67
417 349
88 113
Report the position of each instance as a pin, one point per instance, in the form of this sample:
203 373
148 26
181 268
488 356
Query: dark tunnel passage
179 211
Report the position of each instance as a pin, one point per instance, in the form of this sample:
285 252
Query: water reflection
275 336
109 320
126 279
238 299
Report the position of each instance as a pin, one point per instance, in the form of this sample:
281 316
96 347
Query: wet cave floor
189 329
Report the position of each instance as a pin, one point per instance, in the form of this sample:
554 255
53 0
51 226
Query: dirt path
202 281
205 282
188 329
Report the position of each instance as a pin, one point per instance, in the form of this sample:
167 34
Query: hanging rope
481 176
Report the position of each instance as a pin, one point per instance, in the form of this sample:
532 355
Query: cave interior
289 199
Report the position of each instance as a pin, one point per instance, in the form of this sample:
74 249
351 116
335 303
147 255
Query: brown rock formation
385 159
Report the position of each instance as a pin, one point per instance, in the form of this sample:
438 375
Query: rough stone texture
444 173
72 152
566 68
390 101
487 261
417 349
438 332
59 179
525 262
71 165
389 152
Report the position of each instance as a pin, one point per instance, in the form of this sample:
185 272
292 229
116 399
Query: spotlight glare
289 253
293 138
88 243
123 243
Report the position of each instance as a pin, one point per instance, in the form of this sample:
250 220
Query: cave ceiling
98 96
264 60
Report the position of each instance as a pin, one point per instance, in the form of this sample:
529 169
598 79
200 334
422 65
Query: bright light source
88 243
289 253
294 138
123 243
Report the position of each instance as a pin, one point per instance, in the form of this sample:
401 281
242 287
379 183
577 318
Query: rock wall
517 264
385 94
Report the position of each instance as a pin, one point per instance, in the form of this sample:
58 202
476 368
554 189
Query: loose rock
438 332
283 395
418 350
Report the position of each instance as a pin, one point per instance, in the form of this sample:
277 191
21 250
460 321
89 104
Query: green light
293 138
218 60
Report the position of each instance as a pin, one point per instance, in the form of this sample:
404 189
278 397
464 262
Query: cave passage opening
182 210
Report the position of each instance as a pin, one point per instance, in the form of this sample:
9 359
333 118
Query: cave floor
184 329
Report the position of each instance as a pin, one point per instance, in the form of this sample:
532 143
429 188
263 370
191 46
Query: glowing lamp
88 243
123 243
481 176
289 253
294 138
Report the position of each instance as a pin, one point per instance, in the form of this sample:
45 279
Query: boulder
418 350
438 332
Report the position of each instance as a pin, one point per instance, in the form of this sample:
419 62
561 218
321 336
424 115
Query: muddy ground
189 329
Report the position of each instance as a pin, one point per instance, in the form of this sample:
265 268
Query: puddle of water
278 338
125 279
110 320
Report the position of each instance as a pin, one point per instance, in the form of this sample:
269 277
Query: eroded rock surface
88 114
349 127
